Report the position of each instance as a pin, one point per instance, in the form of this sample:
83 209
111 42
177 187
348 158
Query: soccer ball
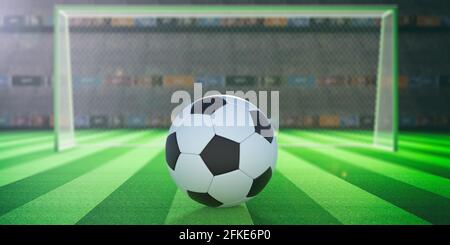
221 151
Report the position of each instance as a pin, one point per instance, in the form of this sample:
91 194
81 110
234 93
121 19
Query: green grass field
92 185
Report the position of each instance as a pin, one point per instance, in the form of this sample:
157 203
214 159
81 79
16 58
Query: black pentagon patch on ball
262 125
204 198
208 105
221 155
260 182
172 150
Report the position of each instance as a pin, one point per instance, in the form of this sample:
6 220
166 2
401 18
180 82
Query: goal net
334 67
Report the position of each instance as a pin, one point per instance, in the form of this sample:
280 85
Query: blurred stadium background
27 53
311 185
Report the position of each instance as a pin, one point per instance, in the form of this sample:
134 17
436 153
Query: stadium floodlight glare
334 65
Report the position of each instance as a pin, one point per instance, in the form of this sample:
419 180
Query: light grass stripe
25 149
8 137
69 203
352 137
348 203
185 211
143 199
15 133
15 173
419 179
28 140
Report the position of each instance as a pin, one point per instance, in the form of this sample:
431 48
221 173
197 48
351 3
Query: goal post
62 85
335 66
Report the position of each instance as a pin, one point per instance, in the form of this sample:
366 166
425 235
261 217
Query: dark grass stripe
423 164
24 158
20 192
436 135
424 204
402 144
405 146
338 196
144 198
403 174
282 202
427 140
425 151
392 157
415 164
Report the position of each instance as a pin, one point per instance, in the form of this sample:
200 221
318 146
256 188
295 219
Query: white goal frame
386 111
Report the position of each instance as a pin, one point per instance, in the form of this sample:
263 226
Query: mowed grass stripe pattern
432 140
383 179
384 167
282 202
46 179
348 203
33 156
309 187
6 136
185 211
143 199
26 140
406 153
25 149
9 144
420 163
68 203
21 171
